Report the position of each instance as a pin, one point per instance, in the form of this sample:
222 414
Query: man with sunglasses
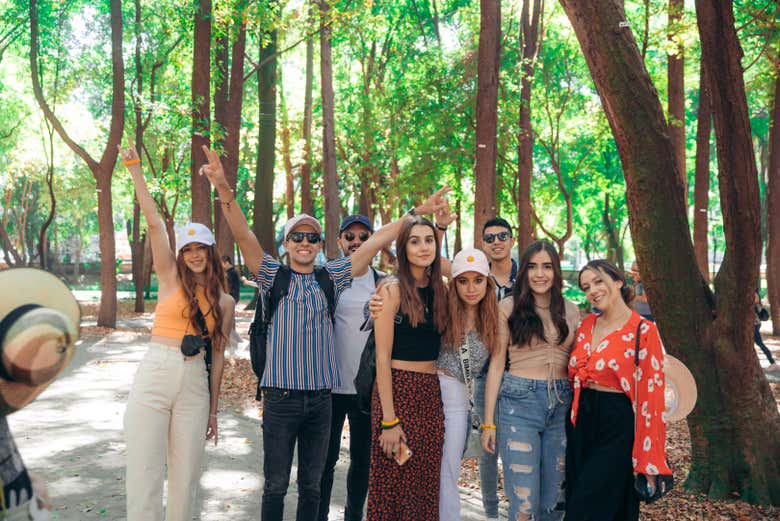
349 342
497 243
301 366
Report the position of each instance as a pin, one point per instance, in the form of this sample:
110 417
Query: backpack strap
322 276
279 289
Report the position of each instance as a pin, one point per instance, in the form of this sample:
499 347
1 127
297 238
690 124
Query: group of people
496 349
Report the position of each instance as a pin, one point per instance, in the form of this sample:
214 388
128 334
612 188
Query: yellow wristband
391 423
130 162
484 426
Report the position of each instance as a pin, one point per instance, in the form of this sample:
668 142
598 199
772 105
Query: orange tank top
171 316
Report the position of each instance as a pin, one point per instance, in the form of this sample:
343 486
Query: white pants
454 396
165 421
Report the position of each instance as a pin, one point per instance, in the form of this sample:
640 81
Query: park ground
72 437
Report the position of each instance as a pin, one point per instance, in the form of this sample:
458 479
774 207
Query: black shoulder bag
662 484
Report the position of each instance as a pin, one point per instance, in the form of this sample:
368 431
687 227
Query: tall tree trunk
201 112
42 244
701 189
773 209
101 170
134 235
289 199
232 127
307 201
713 336
675 74
266 147
329 175
530 38
489 52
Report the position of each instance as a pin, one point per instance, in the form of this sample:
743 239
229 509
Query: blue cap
359 219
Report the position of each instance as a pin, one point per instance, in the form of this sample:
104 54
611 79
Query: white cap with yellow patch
194 232
470 259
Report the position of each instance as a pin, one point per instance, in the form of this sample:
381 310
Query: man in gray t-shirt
349 341
640 301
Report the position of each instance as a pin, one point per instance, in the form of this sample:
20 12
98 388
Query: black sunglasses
501 236
312 237
351 236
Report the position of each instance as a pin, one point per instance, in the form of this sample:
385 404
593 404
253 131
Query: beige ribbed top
540 352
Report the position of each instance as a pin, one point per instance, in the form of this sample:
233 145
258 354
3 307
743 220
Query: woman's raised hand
434 202
213 169
129 155
444 215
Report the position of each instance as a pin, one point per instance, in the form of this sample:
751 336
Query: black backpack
266 307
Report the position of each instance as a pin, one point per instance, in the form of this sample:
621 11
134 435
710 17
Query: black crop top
421 343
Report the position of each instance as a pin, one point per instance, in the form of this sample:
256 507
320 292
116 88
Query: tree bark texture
529 36
231 125
773 211
487 114
713 336
675 76
263 225
701 188
307 200
101 170
289 199
329 174
201 112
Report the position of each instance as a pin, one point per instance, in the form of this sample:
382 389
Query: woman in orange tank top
172 407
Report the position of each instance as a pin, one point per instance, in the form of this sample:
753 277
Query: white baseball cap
301 219
470 259
194 232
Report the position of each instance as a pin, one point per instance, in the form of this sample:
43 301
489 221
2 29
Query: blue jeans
532 442
488 463
291 417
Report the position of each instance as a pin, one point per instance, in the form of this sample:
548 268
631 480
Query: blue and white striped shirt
300 353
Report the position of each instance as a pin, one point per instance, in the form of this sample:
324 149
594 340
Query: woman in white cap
172 407
617 429
466 344
536 335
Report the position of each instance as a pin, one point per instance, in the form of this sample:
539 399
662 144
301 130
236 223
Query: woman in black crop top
406 406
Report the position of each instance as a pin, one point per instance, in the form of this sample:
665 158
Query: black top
234 283
421 343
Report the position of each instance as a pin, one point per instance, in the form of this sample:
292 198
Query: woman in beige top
536 334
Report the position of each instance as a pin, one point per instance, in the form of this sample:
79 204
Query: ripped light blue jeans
532 442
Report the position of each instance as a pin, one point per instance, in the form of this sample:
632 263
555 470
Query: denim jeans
346 406
760 343
289 417
532 441
457 423
488 463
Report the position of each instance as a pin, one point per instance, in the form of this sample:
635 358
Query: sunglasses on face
501 236
312 237
349 236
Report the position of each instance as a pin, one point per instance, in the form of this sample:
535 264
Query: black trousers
345 406
599 473
760 343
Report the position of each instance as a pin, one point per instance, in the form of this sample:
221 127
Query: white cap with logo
470 259
194 232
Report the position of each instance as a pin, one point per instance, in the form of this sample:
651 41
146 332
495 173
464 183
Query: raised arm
164 259
388 233
247 241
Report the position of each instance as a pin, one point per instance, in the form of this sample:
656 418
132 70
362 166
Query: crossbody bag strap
637 347
464 354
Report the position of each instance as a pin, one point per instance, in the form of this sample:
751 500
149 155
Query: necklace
541 307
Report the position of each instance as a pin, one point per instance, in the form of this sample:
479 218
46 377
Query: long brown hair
524 322
486 317
215 285
411 305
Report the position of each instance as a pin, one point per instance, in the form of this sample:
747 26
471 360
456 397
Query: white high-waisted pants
165 421
454 396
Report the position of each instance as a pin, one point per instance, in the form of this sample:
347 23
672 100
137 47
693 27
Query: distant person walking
234 288
757 307
640 303
171 409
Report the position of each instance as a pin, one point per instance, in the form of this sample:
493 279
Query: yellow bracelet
130 162
391 423
484 426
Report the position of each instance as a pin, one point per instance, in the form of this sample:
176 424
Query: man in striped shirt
301 367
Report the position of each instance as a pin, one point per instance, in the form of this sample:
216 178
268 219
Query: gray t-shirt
449 359
349 339
643 308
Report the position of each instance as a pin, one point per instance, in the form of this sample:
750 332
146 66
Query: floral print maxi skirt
409 492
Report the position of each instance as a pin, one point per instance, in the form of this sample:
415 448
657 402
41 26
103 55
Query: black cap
359 219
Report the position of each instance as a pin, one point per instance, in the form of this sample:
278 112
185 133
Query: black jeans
760 342
345 405
289 417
